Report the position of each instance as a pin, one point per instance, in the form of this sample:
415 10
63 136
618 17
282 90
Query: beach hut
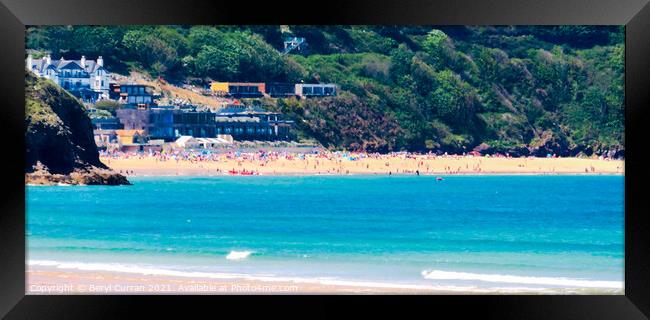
130 136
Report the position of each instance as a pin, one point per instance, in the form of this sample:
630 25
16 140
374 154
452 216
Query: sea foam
238 255
546 281
166 271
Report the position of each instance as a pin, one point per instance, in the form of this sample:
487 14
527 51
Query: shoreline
50 280
315 166
443 175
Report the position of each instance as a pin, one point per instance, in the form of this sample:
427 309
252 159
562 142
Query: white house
315 90
86 79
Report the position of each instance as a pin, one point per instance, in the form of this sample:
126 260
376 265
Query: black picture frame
634 14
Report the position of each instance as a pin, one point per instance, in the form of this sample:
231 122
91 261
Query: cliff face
59 140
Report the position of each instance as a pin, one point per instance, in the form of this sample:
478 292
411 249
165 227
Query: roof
105 120
237 119
40 65
240 83
184 140
316 84
236 109
125 132
211 140
131 84
104 131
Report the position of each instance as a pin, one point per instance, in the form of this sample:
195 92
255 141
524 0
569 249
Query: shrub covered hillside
59 144
522 90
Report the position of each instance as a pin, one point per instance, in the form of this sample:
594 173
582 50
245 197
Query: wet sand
50 281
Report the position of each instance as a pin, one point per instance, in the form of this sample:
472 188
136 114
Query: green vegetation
521 90
106 108
58 133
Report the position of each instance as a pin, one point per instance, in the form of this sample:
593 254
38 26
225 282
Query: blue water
356 228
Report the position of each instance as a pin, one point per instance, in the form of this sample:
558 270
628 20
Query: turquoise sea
552 232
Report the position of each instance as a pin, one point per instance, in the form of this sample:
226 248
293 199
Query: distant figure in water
390 173
417 172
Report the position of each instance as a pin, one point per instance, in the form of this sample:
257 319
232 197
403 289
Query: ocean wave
499 278
238 255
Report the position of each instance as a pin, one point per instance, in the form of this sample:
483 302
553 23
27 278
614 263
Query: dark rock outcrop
59 140
550 142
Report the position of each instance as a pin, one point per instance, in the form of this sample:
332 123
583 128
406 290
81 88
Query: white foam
157 271
238 255
123 268
564 282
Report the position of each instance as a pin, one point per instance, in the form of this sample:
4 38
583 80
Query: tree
217 63
150 50
400 64
108 106
434 45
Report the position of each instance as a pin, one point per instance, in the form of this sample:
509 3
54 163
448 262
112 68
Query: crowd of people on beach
262 155
194 156
316 161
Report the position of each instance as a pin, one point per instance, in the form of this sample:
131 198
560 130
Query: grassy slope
58 132
506 89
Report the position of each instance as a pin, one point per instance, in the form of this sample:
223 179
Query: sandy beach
51 281
314 165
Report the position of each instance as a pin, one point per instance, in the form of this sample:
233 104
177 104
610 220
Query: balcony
74 75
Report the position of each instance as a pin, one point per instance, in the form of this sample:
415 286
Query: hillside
521 90
59 139
170 92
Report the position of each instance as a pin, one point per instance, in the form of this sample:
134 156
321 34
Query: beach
47 281
340 165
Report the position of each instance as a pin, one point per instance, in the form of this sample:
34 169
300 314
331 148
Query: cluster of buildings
273 89
140 124
152 127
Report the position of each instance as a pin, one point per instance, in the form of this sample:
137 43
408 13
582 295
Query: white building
189 142
86 79
315 90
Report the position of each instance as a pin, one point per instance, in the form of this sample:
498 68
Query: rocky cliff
59 140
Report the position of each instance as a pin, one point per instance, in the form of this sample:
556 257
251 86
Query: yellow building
128 137
219 87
